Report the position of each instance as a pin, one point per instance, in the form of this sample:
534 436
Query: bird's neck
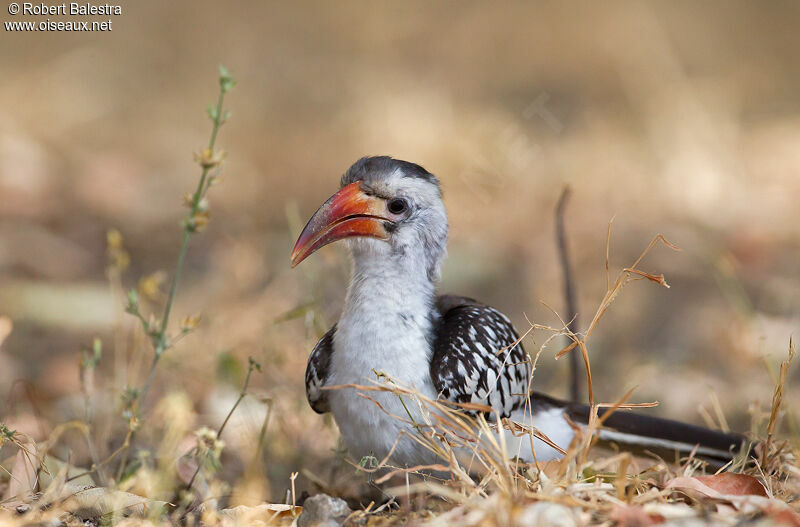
384 333
395 290
387 321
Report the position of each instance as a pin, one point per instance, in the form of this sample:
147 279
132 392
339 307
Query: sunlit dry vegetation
166 469
151 359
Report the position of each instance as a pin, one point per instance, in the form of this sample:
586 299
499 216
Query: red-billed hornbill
390 213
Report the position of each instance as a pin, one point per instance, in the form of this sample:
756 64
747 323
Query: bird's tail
643 433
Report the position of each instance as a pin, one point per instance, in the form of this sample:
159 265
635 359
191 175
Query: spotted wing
475 358
319 363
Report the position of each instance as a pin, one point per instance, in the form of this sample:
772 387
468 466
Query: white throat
385 327
386 323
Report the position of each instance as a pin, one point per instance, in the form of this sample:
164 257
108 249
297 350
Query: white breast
367 343
384 328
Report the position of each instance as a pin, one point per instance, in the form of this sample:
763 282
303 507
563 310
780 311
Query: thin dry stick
293 477
612 291
581 344
575 382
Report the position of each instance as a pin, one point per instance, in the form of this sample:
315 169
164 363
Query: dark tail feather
664 437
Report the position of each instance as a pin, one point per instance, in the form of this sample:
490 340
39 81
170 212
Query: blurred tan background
679 118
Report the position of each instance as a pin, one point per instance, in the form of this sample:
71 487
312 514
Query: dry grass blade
777 397
657 278
627 406
611 293
777 400
596 421
518 428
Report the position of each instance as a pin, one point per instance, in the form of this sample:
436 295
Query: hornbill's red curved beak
349 212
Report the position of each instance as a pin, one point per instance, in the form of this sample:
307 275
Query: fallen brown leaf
733 492
784 516
552 469
734 484
23 481
634 515
93 502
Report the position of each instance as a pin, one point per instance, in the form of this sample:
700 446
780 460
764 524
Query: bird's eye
397 205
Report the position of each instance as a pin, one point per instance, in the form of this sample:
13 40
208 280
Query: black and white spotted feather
477 356
319 363
449 347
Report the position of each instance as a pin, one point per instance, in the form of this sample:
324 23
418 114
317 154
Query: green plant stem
187 233
161 344
159 339
217 123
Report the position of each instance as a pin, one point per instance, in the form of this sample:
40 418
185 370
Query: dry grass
480 481
680 117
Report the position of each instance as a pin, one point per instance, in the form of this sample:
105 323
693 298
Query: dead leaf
735 484
784 516
24 473
186 467
634 515
92 502
552 469
737 492
55 467
719 486
6 326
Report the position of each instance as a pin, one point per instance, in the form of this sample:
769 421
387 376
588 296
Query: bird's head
386 209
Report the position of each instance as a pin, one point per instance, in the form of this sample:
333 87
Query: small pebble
323 511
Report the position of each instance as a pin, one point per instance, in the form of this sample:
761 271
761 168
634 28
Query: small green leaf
296 312
211 110
6 434
226 85
89 359
133 302
226 80
369 461
129 395
229 369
